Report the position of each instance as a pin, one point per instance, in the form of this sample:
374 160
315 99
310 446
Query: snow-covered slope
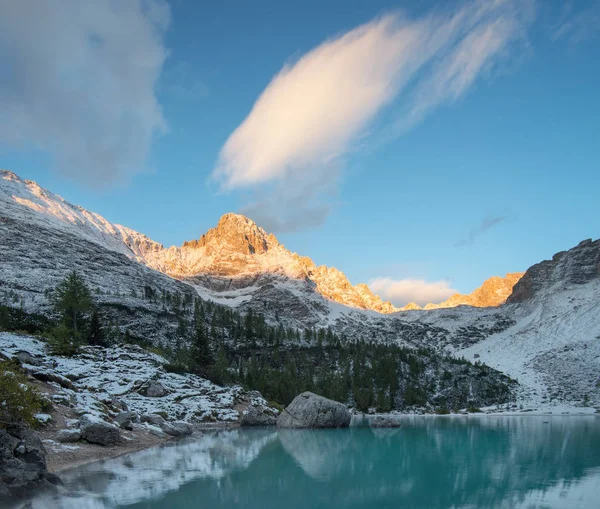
546 336
27 201
236 248
94 379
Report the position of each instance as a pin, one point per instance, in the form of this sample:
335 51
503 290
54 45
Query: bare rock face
238 234
493 292
573 267
22 464
309 410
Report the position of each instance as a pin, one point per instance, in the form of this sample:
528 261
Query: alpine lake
430 462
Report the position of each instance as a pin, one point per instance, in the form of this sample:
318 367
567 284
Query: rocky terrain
493 292
107 401
145 290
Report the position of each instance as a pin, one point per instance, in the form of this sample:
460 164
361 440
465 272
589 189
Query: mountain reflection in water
462 462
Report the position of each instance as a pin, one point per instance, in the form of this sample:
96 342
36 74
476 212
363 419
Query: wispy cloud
579 21
78 82
402 291
315 109
487 223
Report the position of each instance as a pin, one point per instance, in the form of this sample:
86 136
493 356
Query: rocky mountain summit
493 292
577 266
147 291
236 248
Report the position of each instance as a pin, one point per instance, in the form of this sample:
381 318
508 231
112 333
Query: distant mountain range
236 248
540 327
493 292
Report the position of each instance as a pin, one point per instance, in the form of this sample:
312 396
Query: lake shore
62 457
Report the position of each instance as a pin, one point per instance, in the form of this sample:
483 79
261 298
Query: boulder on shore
258 415
125 419
309 410
68 435
97 431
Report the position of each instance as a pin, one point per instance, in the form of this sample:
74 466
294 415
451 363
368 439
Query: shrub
63 340
19 401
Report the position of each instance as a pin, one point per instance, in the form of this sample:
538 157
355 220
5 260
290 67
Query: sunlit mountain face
236 248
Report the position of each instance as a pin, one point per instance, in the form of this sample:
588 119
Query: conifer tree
200 353
96 335
73 301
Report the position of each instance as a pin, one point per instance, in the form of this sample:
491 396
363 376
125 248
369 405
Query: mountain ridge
544 336
237 246
492 293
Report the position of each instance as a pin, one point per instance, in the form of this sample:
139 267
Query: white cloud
402 291
314 110
78 82
579 21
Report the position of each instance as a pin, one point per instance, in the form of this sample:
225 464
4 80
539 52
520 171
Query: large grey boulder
258 415
177 428
22 464
96 431
125 419
156 390
310 410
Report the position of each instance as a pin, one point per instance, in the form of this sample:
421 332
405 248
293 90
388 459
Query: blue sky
483 179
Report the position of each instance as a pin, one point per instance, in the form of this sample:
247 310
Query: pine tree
73 301
200 353
96 335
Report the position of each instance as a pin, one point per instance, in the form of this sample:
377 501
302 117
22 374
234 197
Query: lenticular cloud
315 109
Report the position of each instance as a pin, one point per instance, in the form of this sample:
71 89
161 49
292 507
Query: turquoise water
456 462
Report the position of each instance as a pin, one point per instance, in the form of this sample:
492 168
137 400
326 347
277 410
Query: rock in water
384 421
309 410
96 431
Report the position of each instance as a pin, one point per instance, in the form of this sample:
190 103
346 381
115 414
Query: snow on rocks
68 435
43 418
106 382
155 390
96 431
125 419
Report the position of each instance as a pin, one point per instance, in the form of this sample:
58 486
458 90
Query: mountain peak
235 233
493 292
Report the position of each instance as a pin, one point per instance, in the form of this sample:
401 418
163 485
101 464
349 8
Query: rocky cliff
237 247
493 292
576 266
